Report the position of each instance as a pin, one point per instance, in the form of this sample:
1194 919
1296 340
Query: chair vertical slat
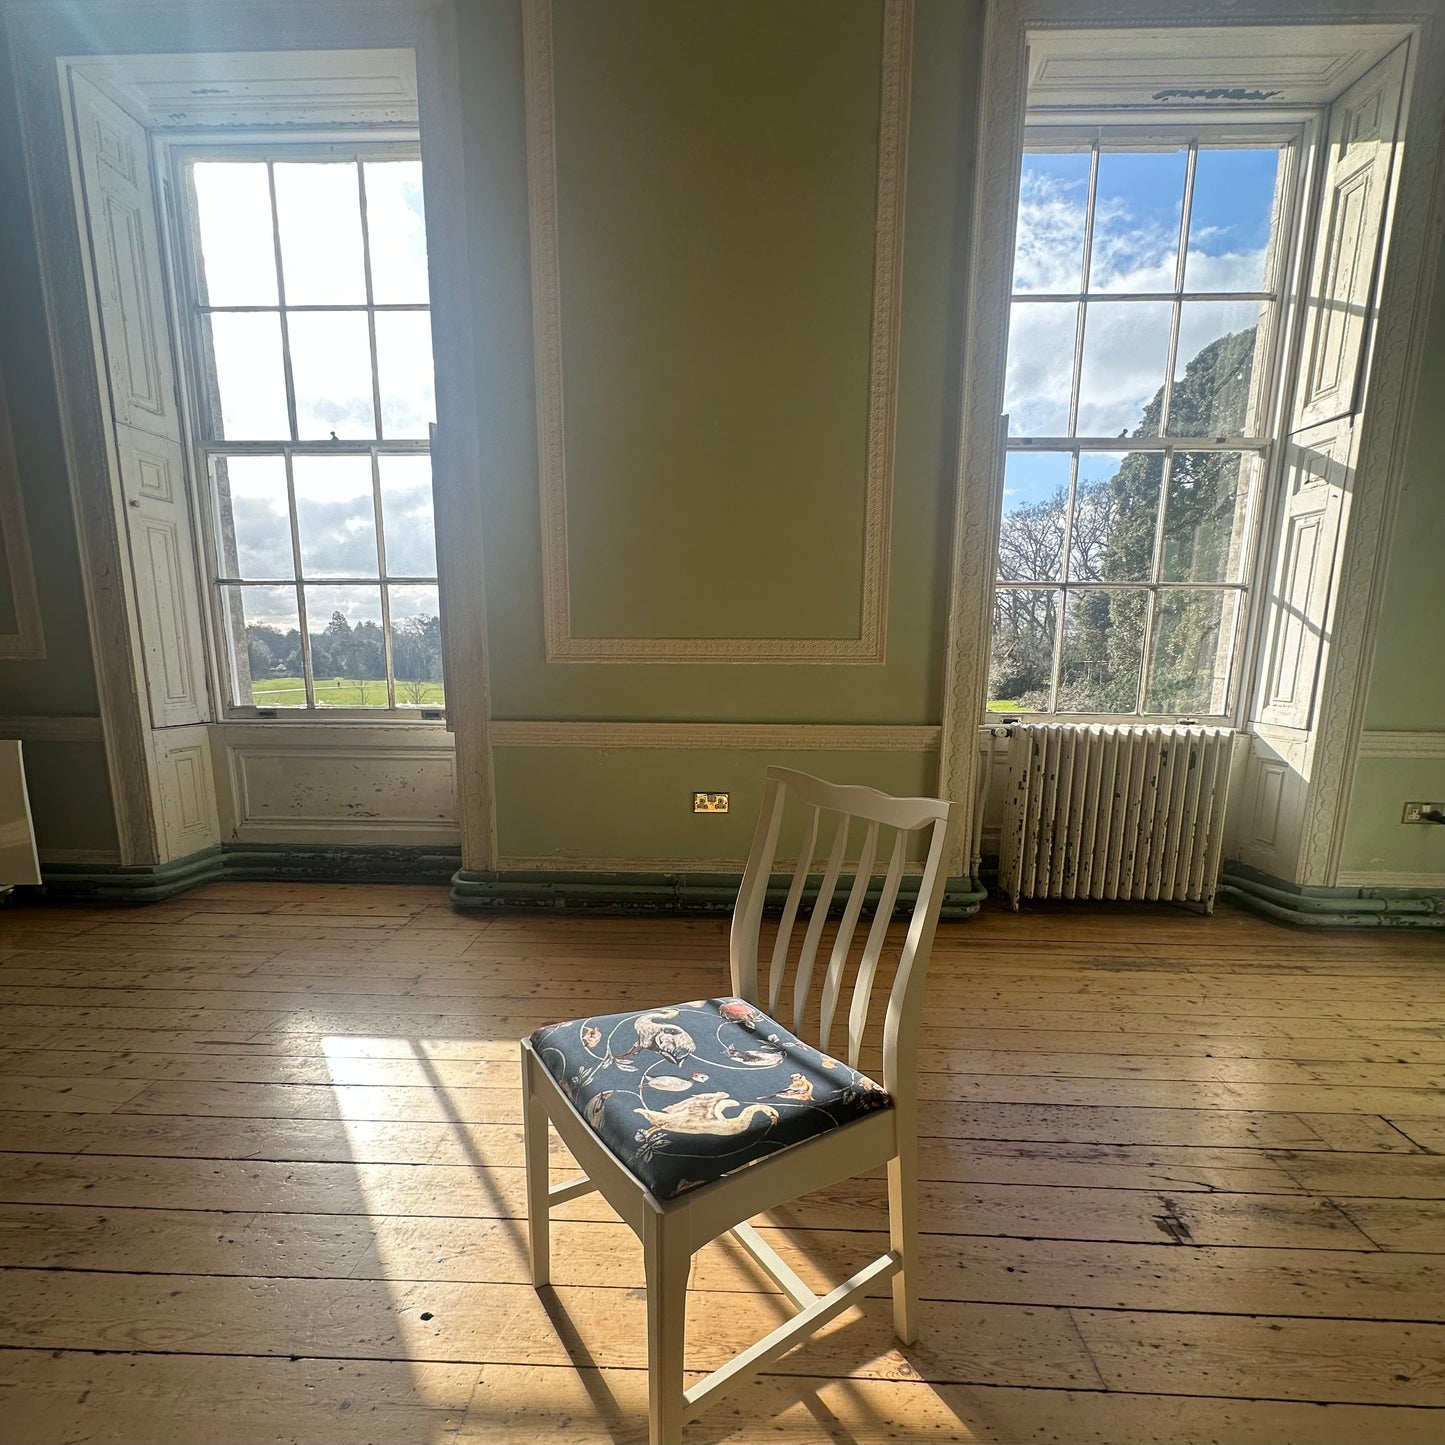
778 966
819 917
833 982
903 1018
753 894
873 949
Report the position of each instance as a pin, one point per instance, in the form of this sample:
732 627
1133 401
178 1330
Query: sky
1135 249
319 221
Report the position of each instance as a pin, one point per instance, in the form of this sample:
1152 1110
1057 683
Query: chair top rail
904 994
861 802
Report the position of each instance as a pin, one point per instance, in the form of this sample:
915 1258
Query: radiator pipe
1308 908
1389 918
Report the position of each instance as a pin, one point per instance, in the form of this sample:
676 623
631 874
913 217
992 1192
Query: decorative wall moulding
26 638
52 729
1386 883
1400 745
869 646
749 737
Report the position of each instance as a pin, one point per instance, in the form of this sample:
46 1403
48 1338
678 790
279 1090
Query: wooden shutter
120 215
1321 428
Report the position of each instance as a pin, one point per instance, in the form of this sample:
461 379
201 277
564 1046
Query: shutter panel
120 204
1320 431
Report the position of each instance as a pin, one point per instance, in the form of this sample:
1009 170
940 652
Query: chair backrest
830 810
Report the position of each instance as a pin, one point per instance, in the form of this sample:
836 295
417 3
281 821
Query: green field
344 692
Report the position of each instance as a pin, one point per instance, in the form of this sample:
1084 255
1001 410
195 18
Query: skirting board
658 892
615 892
1362 907
102 883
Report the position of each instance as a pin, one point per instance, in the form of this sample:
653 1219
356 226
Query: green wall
69 789
717 169
1407 684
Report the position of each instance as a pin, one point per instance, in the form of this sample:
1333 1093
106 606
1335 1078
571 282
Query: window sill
331 717
1157 720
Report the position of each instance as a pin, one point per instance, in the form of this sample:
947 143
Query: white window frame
175 151
1296 134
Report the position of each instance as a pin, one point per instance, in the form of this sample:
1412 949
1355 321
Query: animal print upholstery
686 1095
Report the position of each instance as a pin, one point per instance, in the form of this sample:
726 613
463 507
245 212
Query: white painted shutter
1320 434
120 204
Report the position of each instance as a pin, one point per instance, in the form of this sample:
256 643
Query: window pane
1053 204
265 635
1229 219
416 646
348 655
335 516
396 232
1204 520
238 251
249 381
1040 368
1116 512
1103 647
1035 504
1121 378
404 362
1021 662
1193 640
1214 369
253 517
1137 213
318 210
406 510
331 371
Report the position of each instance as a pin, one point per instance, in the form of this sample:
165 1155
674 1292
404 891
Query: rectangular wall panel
352 784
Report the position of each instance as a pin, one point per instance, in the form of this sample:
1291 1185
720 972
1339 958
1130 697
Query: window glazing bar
336 581
1037 583
206 310
301 620
285 339
224 446
1031 297
1139 444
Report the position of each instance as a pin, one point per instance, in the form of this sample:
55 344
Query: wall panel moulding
546 113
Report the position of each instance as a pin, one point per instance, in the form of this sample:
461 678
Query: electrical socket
1413 811
709 802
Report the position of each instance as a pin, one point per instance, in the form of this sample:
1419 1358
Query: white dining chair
677 1116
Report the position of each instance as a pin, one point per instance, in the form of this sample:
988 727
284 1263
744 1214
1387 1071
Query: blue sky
1135 249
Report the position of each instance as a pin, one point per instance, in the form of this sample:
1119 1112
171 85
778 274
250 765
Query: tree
1114 530
271 652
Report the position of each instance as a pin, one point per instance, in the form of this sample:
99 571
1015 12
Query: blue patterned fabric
688 1094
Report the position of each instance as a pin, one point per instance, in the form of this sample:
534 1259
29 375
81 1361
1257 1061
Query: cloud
1126 343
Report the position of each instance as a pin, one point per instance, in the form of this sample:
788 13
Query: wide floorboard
260 1180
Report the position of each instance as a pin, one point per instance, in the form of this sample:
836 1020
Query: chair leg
534 1149
668 1261
903 1237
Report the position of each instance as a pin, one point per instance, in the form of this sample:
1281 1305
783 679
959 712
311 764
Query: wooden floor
1184 1181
